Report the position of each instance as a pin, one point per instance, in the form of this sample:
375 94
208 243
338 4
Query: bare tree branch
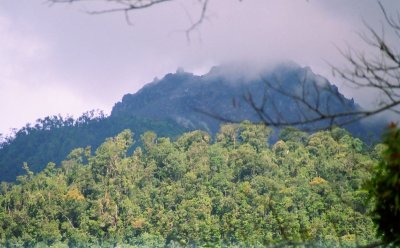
127 6
379 71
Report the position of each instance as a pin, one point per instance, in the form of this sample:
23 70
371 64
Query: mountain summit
202 102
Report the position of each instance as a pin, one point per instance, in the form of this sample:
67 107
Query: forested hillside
52 138
176 103
237 190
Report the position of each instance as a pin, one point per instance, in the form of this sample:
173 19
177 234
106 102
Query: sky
58 59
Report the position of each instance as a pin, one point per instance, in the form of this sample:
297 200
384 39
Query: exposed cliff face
184 97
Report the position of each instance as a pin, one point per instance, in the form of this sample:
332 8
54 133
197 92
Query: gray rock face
185 98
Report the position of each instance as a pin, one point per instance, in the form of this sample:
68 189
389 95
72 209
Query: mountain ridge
186 96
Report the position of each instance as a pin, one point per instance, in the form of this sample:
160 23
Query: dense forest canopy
236 190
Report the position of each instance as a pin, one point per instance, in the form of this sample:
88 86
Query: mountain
179 102
202 102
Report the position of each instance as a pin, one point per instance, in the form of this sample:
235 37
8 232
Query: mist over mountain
179 102
202 102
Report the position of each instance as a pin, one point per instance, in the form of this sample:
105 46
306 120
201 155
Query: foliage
384 188
52 138
236 191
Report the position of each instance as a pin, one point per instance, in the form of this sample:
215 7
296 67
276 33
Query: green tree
193 192
384 188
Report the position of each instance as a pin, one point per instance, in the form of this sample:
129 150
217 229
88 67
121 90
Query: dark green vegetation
237 190
52 138
174 104
384 188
